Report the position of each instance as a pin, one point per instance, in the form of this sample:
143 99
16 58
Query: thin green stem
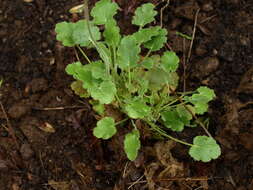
104 56
193 115
169 104
84 54
122 121
118 99
163 133
115 60
134 124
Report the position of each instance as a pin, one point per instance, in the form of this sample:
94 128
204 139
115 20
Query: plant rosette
141 87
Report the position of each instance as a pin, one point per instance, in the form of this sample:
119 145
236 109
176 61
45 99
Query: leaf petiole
84 54
121 121
163 133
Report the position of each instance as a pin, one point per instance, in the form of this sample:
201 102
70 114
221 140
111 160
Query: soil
46 139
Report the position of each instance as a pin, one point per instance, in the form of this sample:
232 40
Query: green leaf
82 73
204 149
172 120
183 112
104 92
207 92
200 108
157 42
104 11
105 128
169 61
144 14
201 99
98 70
74 68
137 109
99 108
85 76
81 33
158 79
112 34
132 144
128 53
146 34
147 63
64 32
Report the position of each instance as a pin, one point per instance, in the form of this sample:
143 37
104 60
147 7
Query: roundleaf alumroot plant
141 87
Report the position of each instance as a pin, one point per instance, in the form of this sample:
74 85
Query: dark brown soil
46 139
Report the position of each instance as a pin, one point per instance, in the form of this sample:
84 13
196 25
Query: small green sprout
141 87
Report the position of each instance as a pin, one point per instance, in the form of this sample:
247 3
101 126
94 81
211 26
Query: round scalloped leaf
201 108
137 110
172 120
132 144
104 11
81 33
144 15
72 69
105 128
207 92
104 92
146 34
64 32
98 69
204 149
157 41
169 61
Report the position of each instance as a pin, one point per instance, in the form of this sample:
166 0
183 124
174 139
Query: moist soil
46 139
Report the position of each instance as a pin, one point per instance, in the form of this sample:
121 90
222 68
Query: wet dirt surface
46 139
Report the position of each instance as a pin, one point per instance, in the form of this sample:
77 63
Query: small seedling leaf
128 53
148 63
169 61
207 92
105 128
112 34
144 15
157 78
104 11
104 92
157 42
64 31
74 68
137 109
204 149
81 33
146 34
173 121
132 144
98 70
